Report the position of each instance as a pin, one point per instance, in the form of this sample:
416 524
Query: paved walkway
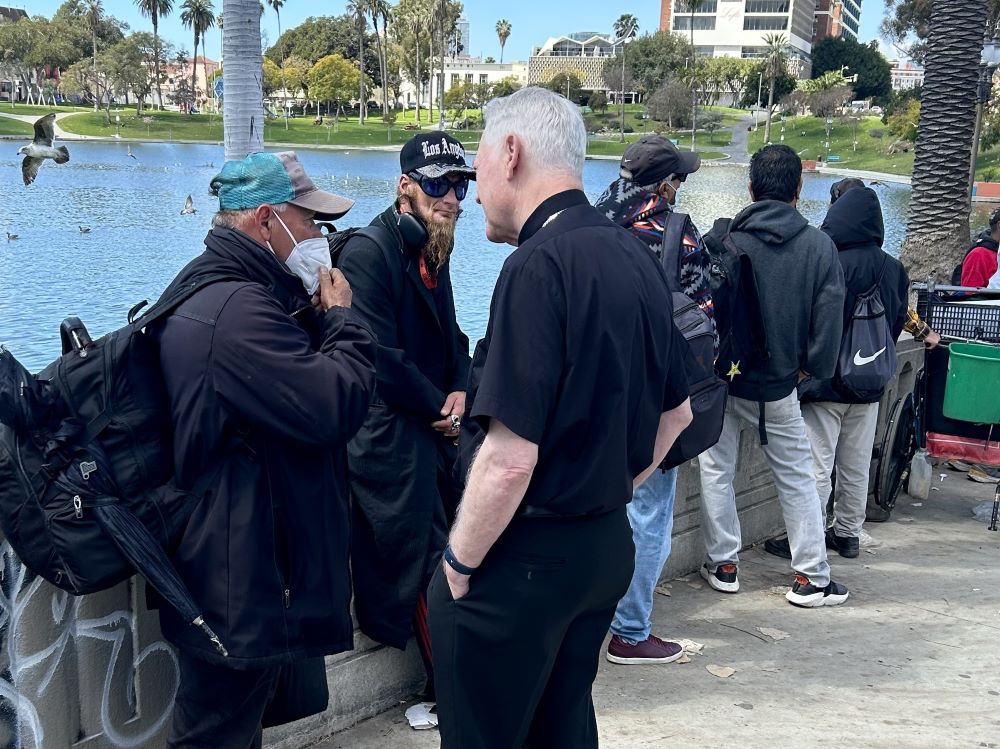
57 131
911 661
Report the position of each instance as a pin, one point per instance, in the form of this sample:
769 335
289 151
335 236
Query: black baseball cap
434 155
653 158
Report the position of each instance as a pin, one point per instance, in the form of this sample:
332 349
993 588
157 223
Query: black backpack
86 461
707 391
867 359
743 345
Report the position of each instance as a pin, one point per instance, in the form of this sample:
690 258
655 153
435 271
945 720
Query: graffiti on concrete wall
87 671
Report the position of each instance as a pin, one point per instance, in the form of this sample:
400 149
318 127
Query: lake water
138 240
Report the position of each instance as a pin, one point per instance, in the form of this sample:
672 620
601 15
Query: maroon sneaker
650 650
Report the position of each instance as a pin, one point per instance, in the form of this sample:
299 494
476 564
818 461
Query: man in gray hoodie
800 287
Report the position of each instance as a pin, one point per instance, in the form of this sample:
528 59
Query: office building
737 28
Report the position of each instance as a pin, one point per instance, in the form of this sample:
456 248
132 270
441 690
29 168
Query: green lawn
8 108
208 127
15 127
807 136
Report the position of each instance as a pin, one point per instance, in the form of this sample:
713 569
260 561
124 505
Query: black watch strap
449 557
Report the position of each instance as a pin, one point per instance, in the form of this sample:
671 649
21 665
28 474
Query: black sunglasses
437 187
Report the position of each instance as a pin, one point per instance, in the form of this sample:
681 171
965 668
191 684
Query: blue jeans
651 515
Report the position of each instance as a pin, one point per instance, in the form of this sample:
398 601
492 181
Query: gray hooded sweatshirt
801 287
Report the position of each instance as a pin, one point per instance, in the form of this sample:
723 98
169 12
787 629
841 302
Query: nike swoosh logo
860 360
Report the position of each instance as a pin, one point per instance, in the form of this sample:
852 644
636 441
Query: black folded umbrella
133 539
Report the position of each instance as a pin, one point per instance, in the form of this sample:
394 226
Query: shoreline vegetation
859 145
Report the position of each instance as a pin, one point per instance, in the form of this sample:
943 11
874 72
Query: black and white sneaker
809 596
723 578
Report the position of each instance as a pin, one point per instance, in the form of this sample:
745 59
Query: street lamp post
989 61
829 129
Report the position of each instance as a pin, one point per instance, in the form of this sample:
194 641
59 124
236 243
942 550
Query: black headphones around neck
412 230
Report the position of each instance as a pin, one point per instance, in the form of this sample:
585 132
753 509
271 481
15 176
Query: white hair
550 126
237 219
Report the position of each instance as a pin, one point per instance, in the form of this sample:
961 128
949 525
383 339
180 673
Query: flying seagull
41 149
130 154
85 230
188 207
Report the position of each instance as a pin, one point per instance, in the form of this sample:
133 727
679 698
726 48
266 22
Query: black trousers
516 657
220 708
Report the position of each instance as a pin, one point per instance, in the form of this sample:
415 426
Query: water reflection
139 240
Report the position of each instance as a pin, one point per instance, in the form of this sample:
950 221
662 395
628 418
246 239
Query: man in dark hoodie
842 425
801 294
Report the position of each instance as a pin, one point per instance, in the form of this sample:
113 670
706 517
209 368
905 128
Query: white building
737 28
583 54
905 75
462 70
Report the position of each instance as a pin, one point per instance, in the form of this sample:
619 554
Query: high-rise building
459 45
737 28
837 18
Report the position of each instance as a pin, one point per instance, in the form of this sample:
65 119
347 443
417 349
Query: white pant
842 436
787 453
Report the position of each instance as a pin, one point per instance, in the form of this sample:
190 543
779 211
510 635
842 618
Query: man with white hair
576 394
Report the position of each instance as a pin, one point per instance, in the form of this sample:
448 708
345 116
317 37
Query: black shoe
809 596
779 547
875 514
846 546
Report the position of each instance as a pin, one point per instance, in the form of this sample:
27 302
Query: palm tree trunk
243 114
156 58
419 79
194 70
97 87
938 224
501 53
362 99
770 108
443 48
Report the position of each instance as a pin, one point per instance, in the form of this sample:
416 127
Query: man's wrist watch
449 557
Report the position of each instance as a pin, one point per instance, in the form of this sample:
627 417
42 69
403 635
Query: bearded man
400 463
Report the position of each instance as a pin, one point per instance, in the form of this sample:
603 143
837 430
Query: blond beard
440 233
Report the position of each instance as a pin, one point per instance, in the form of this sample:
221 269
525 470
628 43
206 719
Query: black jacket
401 468
801 288
855 225
267 392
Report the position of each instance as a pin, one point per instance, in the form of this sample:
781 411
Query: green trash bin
972 392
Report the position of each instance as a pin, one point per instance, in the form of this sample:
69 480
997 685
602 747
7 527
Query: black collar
548 208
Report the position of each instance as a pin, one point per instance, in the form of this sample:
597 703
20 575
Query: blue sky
533 21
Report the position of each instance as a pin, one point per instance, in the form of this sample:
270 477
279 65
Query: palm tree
198 15
938 224
155 10
774 59
693 7
503 34
380 11
626 28
412 16
358 8
243 114
94 13
277 4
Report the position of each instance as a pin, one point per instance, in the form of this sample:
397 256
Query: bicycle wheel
895 453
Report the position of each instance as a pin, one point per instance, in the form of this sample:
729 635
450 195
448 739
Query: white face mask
307 258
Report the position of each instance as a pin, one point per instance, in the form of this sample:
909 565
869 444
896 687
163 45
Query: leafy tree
506 86
411 28
459 98
652 58
568 84
710 121
598 101
904 122
318 37
829 101
333 80
670 104
297 74
272 77
864 60
784 84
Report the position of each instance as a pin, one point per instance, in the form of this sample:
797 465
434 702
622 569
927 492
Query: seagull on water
130 154
188 207
41 149
85 230
11 237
